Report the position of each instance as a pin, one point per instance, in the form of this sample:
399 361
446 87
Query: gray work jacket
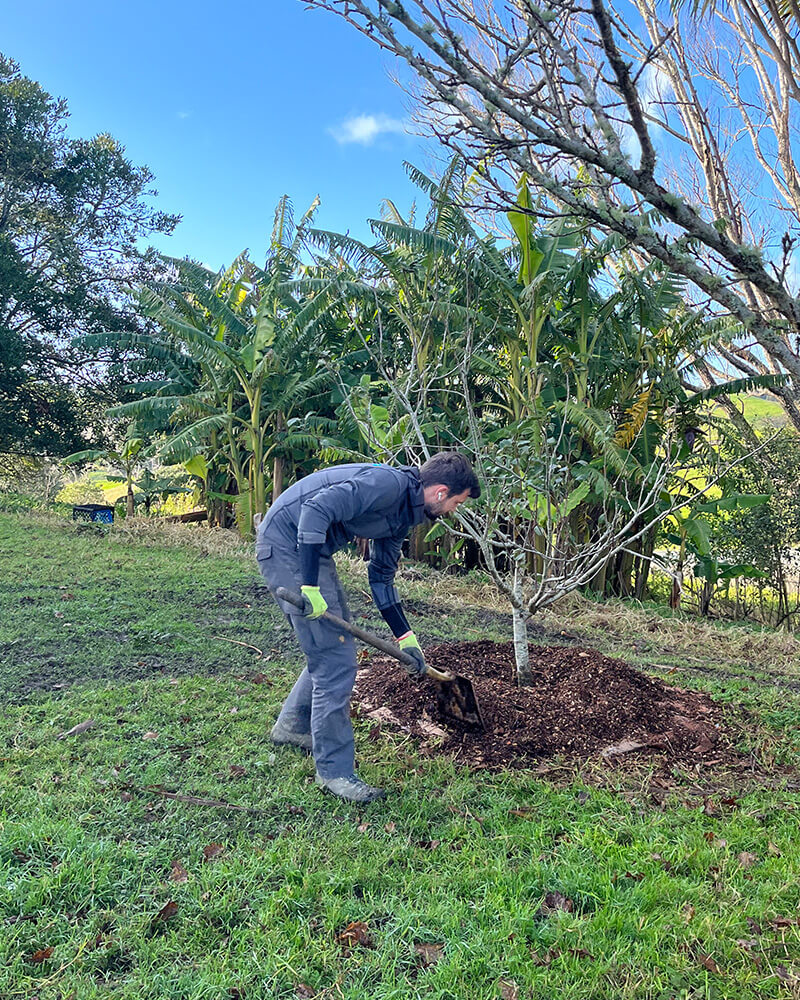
333 506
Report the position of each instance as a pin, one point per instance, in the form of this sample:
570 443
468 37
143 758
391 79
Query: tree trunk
130 507
416 543
624 585
598 582
677 582
277 477
705 597
643 564
521 651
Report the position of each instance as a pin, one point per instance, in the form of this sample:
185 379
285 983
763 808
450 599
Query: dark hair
452 470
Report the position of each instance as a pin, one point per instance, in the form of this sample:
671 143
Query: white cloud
365 129
183 114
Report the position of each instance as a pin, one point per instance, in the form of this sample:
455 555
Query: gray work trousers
319 702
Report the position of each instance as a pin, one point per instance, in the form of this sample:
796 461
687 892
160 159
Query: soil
581 703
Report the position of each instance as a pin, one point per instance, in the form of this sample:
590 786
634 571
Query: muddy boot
350 789
282 735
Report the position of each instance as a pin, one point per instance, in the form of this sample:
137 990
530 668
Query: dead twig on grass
192 800
82 727
236 642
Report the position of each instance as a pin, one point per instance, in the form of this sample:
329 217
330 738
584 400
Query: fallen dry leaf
80 728
428 845
167 911
41 955
260 678
707 962
211 851
428 954
624 746
508 989
150 735
747 860
390 827
554 901
549 956
67 597
178 873
356 933
362 827
304 992
431 729
688 912
237 771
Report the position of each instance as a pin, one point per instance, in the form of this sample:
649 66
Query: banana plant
240 370
693 536
124 459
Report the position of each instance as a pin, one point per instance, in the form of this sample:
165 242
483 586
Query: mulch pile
580 704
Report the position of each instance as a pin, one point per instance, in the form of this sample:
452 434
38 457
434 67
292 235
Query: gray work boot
283 735
350 789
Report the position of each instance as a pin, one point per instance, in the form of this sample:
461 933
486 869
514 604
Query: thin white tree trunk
521 654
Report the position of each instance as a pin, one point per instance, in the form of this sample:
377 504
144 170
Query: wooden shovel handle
390 648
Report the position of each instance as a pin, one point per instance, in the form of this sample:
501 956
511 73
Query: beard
433 511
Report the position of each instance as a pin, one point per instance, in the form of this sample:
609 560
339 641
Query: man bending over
295 543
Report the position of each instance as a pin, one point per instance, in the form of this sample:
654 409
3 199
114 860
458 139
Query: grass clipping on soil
580 703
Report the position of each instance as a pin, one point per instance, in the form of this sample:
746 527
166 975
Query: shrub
81 492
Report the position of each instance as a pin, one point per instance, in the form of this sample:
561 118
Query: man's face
439 502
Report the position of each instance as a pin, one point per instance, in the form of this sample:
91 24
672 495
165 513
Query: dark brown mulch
580 704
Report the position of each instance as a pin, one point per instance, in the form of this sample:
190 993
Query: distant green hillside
761 409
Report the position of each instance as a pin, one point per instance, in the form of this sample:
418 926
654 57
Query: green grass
688 889
759 410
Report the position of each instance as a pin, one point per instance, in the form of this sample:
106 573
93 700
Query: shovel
455 695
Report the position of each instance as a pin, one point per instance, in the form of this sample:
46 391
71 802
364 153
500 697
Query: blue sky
229 109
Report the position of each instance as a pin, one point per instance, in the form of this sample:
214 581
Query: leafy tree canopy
73 215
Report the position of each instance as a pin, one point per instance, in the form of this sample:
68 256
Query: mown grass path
580 882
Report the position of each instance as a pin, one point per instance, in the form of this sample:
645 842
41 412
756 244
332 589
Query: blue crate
97 512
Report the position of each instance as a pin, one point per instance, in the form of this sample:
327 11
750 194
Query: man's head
447 481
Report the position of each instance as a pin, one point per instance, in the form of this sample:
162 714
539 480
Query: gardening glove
410 644
314 597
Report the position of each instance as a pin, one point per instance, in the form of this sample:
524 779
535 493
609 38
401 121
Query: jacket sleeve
373 489
384 557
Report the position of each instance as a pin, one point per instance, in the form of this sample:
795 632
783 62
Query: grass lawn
581 882
761 411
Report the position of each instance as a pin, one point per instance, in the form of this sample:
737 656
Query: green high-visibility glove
410 644
313 596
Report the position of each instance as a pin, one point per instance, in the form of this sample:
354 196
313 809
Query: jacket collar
416 496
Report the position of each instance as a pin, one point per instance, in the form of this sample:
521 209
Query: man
314 518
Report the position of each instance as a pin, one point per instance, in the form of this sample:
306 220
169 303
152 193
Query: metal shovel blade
457 699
